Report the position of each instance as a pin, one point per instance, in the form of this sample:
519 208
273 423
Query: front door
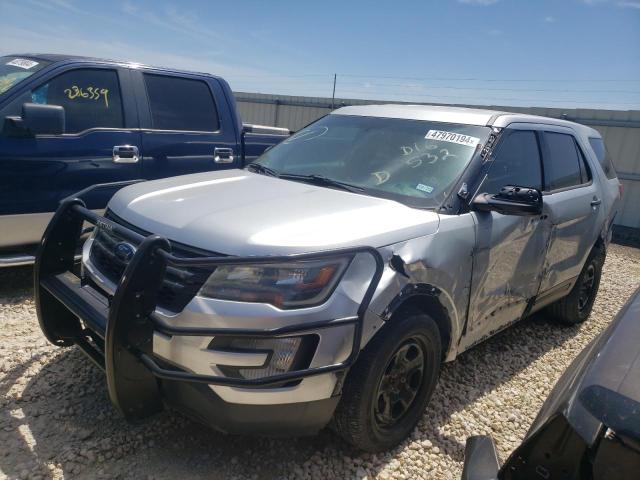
509 254
184 131
38 172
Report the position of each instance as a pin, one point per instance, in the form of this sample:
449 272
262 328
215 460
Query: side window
90 97
585 171
603 157
181 104
562 166
516 162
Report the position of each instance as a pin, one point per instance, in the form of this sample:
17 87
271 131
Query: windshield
412 161
15 69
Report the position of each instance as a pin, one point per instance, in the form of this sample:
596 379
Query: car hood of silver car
237 212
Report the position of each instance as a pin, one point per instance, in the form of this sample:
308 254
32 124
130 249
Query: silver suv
328 281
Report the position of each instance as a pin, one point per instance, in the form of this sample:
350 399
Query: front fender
435 267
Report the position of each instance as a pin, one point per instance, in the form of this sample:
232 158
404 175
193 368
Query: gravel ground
56 420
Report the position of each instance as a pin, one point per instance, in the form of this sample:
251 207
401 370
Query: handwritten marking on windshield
307 134
92 93
430 158
382 176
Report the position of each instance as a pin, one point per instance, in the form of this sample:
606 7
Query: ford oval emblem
124 251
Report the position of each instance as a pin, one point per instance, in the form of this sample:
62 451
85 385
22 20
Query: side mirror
36 119
480 459
511 200
616 411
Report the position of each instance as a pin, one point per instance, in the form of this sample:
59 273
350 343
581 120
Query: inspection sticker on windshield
452 137
424 188
22 63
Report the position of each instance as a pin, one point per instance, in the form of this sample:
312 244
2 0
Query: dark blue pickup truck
71 122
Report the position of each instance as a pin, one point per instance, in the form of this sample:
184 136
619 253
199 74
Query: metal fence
620 129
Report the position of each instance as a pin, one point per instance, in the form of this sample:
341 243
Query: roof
51 57
59 58
436 113
463 115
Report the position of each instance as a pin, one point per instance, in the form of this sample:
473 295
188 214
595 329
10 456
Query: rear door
36 173
186 125
509 254
572 205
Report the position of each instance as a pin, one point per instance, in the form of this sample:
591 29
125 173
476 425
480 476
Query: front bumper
119 334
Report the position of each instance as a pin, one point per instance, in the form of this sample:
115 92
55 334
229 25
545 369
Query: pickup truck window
90 97
16 69
181 104
562 167
412 161
516 162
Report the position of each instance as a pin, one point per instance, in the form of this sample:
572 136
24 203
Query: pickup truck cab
368 248
70 122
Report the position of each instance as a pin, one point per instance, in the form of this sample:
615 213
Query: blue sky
556 53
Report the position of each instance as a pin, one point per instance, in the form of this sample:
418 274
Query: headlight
291 285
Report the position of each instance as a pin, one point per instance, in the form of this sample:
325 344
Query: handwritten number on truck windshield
89 93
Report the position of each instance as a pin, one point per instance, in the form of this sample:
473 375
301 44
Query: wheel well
429 305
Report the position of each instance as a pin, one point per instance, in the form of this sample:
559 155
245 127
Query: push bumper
117 333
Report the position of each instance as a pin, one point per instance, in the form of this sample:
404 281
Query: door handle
595 202
223 155
125 154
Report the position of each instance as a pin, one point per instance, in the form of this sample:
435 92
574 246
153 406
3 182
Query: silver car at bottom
328 281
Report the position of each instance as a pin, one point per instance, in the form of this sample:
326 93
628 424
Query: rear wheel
388 388
576 307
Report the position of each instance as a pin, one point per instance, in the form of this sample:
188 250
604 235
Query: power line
445 87
441 87
405 94
447 79
476 79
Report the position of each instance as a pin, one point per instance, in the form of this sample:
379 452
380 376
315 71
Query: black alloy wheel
587 283
400 383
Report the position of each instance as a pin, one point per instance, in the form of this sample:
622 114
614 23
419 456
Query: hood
236 212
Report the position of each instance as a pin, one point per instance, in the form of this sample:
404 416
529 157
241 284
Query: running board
19 260
16 260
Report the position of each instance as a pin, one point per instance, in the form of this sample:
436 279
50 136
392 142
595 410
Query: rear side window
90 97
517 162
603 157
181 104
564 166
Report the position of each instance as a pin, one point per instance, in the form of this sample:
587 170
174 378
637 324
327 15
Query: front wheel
390 385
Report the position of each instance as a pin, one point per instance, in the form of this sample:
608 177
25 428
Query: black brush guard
125 327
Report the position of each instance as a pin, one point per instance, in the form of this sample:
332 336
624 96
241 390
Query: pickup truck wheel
576 307
388 388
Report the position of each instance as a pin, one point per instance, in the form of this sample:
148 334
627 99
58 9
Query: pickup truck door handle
125 154
223 155
595 202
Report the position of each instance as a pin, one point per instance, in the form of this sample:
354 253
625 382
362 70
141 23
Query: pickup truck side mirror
512 200
36 119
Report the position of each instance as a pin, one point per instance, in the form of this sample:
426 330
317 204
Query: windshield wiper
259 168
322 180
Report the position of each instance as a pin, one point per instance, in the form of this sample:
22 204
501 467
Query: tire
367 416
576 307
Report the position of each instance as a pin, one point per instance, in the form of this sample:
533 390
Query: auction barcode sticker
452 137
22 63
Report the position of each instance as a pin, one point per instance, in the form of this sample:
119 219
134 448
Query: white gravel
56 420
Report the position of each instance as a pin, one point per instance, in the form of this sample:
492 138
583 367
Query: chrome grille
180 284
